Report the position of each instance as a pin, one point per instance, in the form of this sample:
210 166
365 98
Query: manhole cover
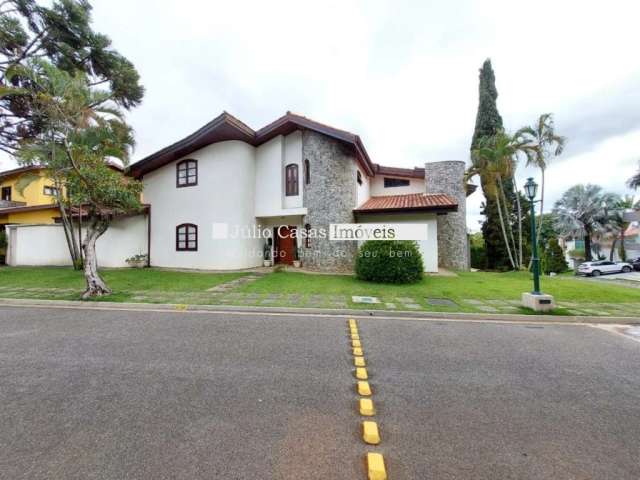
357 299
442 302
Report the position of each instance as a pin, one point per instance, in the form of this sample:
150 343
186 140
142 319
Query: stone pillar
330 197
448 177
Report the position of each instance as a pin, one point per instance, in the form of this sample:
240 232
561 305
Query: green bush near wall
389 261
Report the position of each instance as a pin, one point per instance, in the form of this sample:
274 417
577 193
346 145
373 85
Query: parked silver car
595 269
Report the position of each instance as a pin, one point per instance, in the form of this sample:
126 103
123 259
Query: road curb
409 315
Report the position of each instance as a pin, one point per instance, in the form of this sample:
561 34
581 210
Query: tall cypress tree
488 123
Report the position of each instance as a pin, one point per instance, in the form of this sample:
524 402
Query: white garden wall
45 245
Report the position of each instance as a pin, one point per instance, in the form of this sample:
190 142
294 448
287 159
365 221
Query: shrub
553 259
389 261
3 240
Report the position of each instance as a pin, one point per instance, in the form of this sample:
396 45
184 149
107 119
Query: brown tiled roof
415 172
227 127
410 202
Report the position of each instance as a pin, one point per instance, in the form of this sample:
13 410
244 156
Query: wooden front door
284 245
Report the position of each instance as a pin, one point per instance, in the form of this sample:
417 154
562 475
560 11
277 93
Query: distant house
27 195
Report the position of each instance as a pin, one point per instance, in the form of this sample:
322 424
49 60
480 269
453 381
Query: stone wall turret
448 177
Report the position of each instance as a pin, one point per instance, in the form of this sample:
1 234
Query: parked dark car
636 264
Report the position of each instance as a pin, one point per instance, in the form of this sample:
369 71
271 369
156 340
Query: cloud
401 74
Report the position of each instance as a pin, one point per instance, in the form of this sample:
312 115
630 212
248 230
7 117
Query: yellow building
27 195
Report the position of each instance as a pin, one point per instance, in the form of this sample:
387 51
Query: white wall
416 185
363 191
271 159
45 245
225 194
293 154
428 247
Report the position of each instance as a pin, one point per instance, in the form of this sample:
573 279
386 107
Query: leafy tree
478 251
82 130
488 124
60 33
582 212
634 182
543 144
553 258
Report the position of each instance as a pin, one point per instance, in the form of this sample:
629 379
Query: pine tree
488 124
553 259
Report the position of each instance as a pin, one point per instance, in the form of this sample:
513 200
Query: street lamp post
531 189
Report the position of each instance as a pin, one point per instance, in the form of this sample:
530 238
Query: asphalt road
147 395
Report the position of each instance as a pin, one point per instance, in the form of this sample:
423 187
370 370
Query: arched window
307 172
187 173
291 180
187 237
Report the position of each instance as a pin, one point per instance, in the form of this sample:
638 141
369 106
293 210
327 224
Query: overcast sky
403 75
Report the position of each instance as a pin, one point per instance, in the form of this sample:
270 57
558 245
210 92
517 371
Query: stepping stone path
444 302
233 284
360 299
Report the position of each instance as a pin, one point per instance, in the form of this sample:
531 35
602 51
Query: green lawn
471 292
123 282
466 285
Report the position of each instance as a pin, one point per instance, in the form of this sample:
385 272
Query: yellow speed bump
366 407
359 362
361 373
370 433
356 343
352 323
375 466
364 389
355 336
357 352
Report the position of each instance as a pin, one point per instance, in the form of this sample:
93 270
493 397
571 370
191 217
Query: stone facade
448 177
330 197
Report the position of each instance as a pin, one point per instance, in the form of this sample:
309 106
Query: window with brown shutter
291 183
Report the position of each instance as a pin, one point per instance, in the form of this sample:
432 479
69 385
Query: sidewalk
336 312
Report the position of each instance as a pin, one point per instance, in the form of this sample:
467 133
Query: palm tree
495 159
634 182
582 212
542 144
617 223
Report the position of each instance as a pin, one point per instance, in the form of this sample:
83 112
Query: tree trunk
96 287
67 225
587 246
521 260
516 266
613 248
504 231
623 249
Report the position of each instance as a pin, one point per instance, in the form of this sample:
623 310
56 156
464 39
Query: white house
213 198
213 190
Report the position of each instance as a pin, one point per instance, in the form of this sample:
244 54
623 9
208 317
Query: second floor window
187 173
51 191
6 194
359 177
291 180
396 182
187 237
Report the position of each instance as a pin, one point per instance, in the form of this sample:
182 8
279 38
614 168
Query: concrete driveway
150 395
